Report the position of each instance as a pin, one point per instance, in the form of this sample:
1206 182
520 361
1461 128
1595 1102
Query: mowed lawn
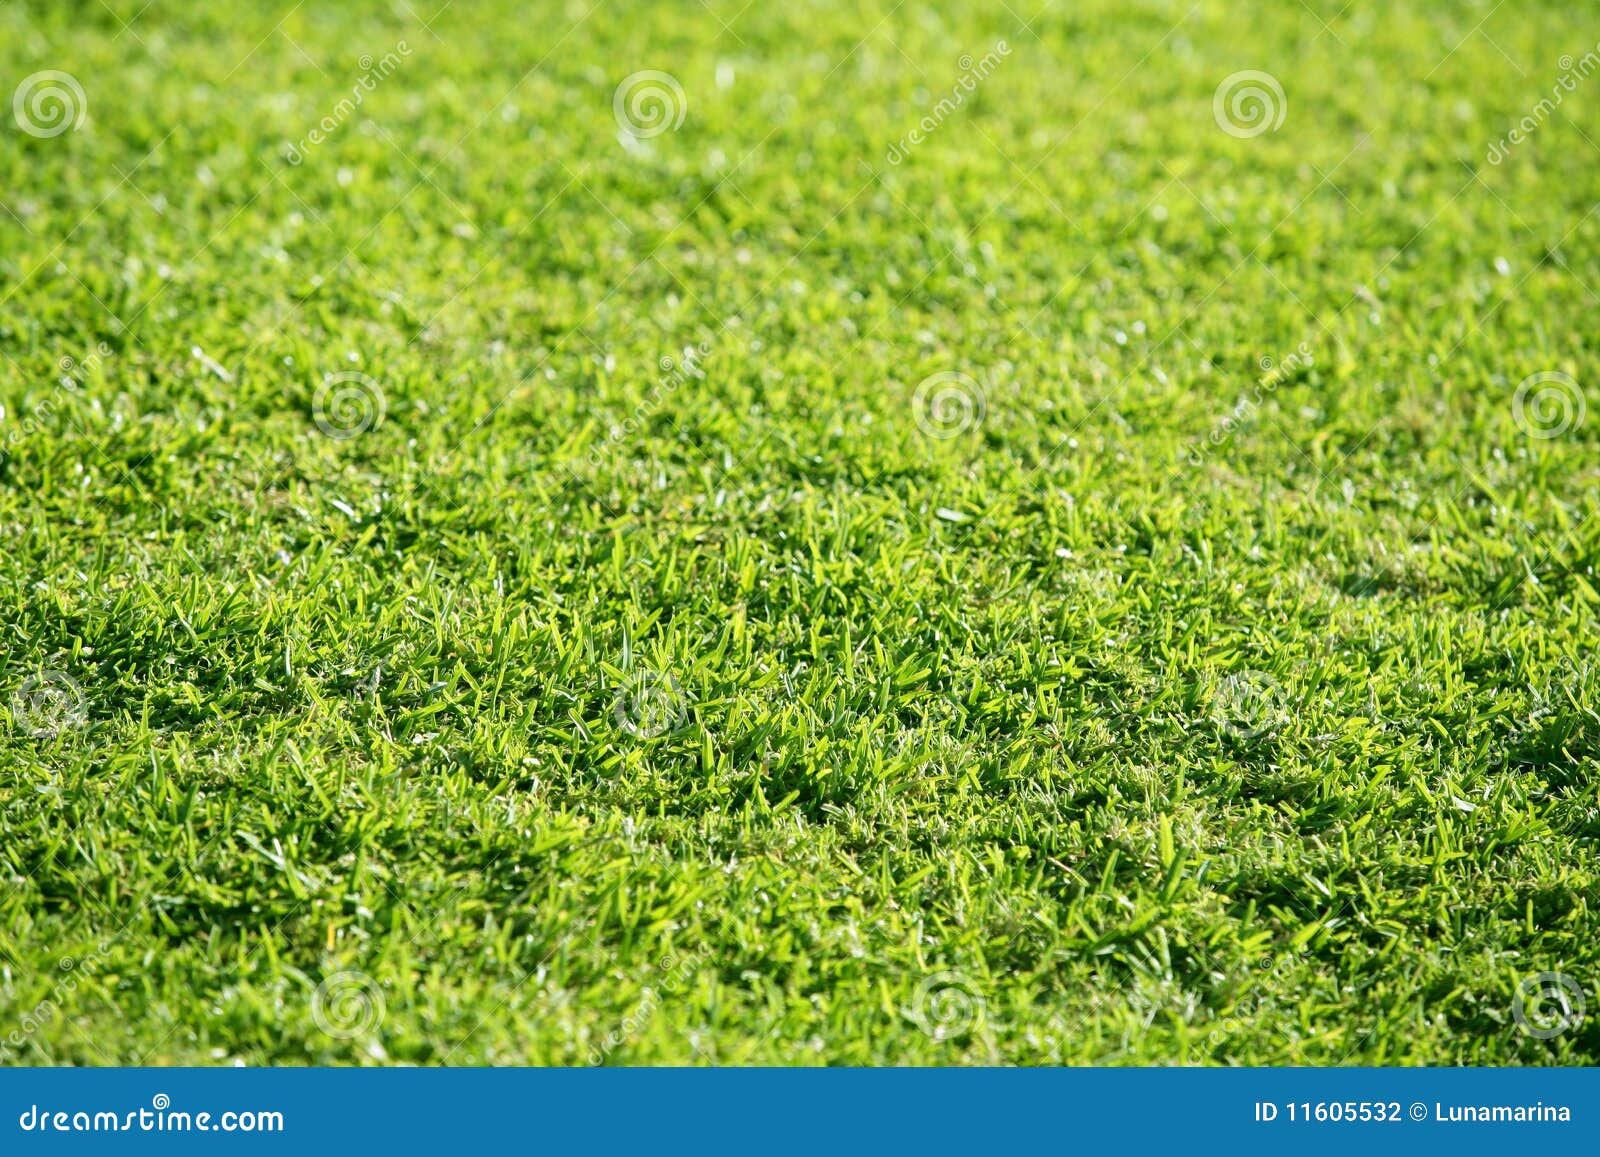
806 533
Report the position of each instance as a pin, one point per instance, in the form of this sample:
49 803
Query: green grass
1179 707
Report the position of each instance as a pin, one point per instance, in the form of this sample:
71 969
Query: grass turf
1123 698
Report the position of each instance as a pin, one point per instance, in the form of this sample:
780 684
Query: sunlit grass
493 587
